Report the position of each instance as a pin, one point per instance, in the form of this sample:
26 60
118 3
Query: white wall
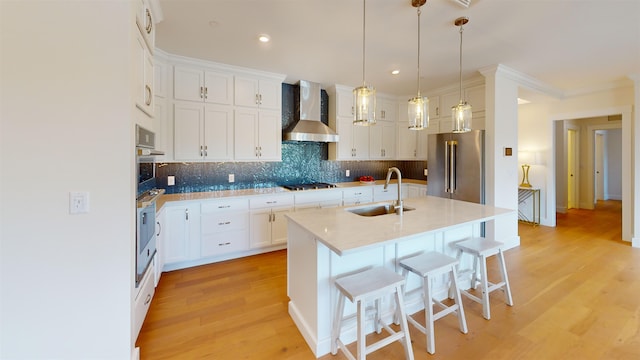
537 120
66 280
613 139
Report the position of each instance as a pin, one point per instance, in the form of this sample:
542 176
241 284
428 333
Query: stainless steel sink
376 209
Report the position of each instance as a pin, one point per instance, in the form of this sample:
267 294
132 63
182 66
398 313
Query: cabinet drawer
223 221
361 191
224 205
223 243
262 202
143 301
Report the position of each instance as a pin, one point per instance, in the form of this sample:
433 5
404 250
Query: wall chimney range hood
308 126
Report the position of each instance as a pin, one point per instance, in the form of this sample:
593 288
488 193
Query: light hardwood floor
576 290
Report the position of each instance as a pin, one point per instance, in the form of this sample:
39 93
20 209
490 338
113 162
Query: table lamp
525 158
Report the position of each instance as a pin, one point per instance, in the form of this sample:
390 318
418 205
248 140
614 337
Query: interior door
572 168
599 167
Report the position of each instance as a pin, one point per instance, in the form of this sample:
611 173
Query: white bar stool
428 265
371 284
482 248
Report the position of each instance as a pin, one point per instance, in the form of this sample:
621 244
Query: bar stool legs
358 288
428 266
481 249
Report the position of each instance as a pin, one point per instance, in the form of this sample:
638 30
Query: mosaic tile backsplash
302 162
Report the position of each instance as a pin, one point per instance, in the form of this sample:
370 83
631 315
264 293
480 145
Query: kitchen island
326 243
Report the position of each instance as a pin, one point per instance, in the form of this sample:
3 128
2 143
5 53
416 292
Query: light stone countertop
261 191
344 232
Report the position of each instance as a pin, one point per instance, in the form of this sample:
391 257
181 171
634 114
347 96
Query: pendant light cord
364 10
461 30
419 12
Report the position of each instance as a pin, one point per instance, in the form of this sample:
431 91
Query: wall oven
146 196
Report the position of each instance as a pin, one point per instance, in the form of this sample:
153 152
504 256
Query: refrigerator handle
446 167
453 154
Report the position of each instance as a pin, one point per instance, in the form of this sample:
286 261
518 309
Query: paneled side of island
327 243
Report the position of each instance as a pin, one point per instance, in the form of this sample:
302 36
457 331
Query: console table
524 193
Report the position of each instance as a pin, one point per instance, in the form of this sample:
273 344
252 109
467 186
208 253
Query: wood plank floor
576 290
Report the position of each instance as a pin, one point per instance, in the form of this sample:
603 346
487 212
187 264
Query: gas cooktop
312 186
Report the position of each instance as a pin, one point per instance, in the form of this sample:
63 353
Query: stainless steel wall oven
146 196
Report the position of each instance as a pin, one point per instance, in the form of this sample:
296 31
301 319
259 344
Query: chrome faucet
398 204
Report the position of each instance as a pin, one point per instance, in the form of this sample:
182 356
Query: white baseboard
635 242
135 355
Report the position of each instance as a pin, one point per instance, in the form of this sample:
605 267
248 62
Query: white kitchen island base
326 243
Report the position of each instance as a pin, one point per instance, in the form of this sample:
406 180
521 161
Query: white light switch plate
171 180
347 173
78 202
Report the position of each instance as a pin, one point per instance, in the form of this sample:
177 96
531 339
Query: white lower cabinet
268 223
318 199
388 194
158 259
224 227
357 195
142 301
182 233
415 190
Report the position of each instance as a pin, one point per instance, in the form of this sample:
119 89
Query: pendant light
418 106
364 97
461 113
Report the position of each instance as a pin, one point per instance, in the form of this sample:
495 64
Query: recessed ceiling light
264 38
395 72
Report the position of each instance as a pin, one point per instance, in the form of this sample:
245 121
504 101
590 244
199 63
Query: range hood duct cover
308 126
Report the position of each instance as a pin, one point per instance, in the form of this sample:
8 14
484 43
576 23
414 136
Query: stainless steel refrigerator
455 166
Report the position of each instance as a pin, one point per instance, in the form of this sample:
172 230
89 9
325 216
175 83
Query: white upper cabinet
382 140
145 23
344 103
386 109
144 76
258 135
195 84
258 93
434 107
203 132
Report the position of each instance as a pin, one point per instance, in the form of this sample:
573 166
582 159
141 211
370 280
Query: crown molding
523 79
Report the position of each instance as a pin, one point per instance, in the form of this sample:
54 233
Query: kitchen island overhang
326 243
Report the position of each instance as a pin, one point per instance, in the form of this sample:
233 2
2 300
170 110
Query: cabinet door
422 145
245 138
158 259
181 226
407 142
434 107
387 110
218 87
344 147
188 84
475 96
279 226
344 103
270 135
246 91
361 141
218 132
388 140
143 76
187 126
260 228
270 94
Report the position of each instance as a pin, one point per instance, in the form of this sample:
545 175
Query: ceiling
566 44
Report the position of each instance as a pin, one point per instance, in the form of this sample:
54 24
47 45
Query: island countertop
344 232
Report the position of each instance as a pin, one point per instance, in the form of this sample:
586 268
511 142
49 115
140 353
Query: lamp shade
418 113
461 115
364 100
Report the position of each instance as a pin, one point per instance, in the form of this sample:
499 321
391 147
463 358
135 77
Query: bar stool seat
371 284
427 266
481 248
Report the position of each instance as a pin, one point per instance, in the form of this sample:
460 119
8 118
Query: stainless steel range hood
308 126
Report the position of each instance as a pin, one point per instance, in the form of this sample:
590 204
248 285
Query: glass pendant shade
418 113
364 100
461 115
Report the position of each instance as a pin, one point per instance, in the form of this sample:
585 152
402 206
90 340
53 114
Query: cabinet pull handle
224 223
272 202
147 95
201 92
260 99
149 22
205 150
159 228
257 101
186 214
148 299
224 244
206 92
438 111
224 206
201 151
